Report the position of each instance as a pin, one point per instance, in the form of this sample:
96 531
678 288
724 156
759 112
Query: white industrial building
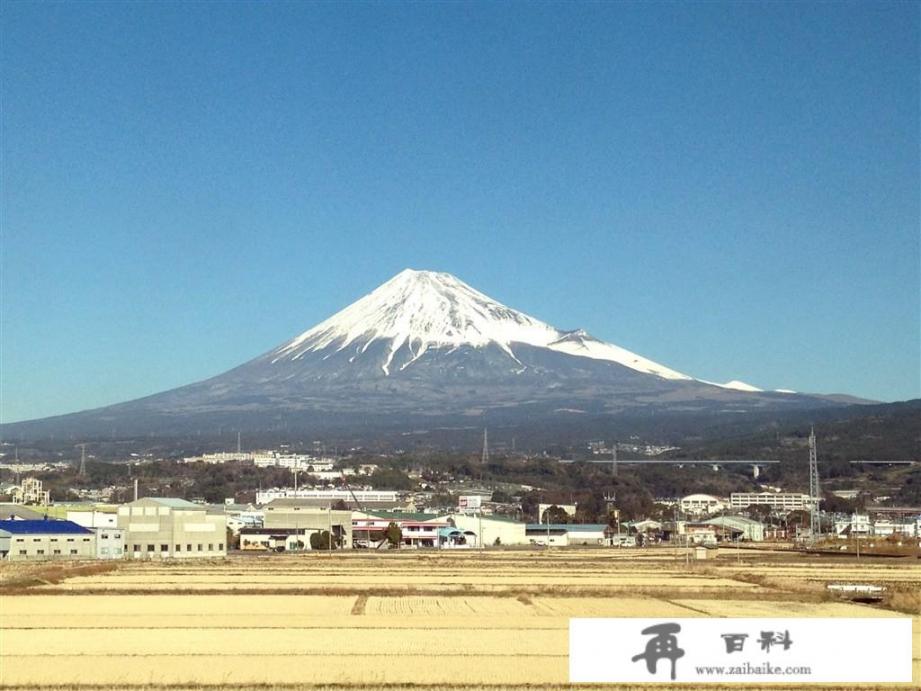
778 501
736 528
90 518
110 543
22 540
565 534
328 497
490 530
701 504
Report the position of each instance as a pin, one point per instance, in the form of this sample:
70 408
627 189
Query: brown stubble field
493 619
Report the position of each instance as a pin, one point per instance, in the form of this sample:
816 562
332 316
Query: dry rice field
493 619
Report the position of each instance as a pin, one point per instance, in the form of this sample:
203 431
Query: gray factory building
165 527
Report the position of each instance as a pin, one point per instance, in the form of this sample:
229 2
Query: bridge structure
757 464
885 462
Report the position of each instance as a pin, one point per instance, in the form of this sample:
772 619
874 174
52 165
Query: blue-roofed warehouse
45 539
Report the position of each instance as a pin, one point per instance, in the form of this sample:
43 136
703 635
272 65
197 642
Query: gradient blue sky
729 189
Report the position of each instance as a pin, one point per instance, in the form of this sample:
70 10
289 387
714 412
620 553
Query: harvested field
494 619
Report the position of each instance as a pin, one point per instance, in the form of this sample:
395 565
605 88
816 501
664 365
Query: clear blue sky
729 189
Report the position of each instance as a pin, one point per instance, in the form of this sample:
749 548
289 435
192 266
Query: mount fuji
424 346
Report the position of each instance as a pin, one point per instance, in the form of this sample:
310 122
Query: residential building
30 492
166 527
855 525
45 539
417 529
274 539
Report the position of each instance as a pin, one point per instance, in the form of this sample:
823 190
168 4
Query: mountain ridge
426 345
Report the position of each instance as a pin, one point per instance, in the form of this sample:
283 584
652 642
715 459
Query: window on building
200 546
57 551
137 548
86 539
22 551
104 536
54 539
70 539
36 539
178 548
220 547
150 548
104 550
211 547
164 548
39 551
188 548
117 550
19 539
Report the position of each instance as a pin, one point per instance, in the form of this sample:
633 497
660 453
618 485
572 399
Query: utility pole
814 491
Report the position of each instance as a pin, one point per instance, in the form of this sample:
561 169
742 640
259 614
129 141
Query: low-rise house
855 525
167 527
700 534
300 514
417 529
622 540
274 539
450 537
46 539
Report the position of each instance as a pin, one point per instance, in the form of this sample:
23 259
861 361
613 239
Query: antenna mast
485 459
814 491
614 458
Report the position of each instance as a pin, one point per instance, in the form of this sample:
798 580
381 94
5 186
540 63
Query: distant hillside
868 432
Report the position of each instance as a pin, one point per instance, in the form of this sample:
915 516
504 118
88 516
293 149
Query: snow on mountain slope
735 385
582 344
739 386
426 309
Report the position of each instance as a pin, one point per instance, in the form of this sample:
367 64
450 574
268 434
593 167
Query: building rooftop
44 527
570 527
171 502
9 511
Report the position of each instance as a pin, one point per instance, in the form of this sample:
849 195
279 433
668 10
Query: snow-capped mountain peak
421 310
